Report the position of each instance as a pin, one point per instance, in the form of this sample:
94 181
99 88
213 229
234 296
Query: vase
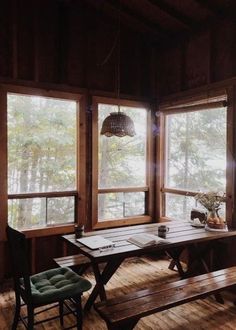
214 220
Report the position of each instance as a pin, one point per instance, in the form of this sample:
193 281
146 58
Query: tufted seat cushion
57 284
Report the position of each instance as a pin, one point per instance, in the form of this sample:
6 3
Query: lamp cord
118 62
115 44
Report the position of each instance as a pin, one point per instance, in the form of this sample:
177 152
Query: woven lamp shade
118 124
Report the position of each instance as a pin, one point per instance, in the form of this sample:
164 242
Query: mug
163 230
79 230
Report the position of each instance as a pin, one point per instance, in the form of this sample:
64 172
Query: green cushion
57 284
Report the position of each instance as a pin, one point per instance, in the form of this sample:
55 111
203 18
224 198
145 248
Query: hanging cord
118 64
116 43
106 59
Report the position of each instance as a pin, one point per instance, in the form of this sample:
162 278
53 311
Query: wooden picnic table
181 236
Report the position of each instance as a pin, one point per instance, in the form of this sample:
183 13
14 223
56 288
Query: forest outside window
195 158
122 175
42 160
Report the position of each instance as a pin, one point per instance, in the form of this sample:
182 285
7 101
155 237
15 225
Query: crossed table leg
101 279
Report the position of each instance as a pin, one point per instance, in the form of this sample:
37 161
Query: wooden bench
125 311
79 263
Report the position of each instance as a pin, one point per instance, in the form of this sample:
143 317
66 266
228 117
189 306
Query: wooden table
180 236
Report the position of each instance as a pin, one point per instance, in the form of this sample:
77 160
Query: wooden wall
66 43
55 43
197 60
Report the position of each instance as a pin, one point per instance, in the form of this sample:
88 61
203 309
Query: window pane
41 144
122 161
60 210
120 205
38 212
27 213
196 150
179 207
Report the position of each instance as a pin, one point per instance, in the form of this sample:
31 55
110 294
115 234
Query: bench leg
126 326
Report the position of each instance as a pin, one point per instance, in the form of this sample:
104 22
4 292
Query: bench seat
125 311
78 263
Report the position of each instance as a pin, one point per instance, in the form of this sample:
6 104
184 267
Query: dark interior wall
197 60
66 42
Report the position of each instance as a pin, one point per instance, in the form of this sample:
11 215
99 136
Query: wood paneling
202 58
47 248
65 42
69 42
78 44
223 51
101 60
25 39
5 38
169 70
47 52
197 62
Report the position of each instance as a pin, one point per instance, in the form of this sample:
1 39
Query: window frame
191 104
148 189
80 191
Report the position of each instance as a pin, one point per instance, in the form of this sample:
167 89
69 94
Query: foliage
196 156
122 164
41 158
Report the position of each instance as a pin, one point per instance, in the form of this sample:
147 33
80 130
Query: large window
195 157
42 160
122 171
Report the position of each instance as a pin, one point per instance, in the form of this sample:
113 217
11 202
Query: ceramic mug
79 230
163 230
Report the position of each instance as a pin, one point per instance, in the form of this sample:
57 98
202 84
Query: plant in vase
212 202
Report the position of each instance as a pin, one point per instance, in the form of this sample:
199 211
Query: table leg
175 255
101 280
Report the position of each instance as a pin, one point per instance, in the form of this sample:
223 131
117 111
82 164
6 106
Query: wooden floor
132 275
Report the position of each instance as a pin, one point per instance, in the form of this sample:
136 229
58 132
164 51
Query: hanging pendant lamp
118 123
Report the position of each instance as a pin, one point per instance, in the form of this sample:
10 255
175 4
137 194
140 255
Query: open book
144 240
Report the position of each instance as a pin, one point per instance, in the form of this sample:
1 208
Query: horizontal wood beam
44 194
132 13
117 190
128 18
175 14
220 12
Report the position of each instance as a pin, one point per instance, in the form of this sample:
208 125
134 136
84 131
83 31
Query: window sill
122 222
49 231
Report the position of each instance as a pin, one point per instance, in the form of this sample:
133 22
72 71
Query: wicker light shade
118 124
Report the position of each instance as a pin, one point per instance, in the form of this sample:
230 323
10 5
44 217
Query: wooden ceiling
164 19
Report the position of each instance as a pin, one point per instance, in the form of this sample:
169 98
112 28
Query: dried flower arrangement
211 200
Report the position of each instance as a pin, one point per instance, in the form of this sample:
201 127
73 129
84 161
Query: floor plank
135 274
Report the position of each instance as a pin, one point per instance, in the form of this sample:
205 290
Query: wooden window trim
80 211
149 173
44 194
186 105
